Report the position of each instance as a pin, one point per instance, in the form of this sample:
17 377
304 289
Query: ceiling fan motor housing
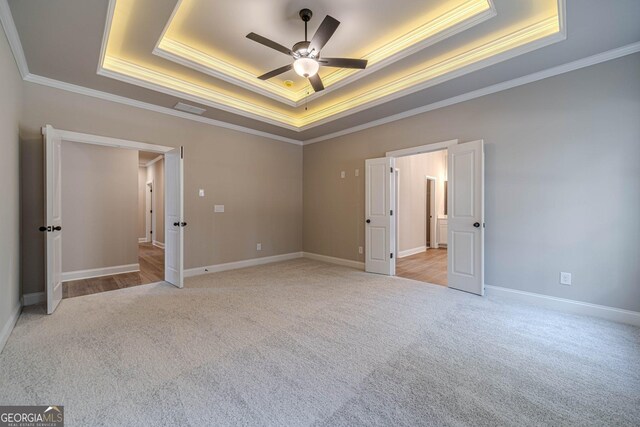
301 48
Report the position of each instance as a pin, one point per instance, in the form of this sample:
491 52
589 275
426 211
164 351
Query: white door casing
174 217
380 238
465 242
53 217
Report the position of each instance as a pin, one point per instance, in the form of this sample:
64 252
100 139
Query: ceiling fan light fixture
306 67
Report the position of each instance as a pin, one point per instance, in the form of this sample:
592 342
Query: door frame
434 205
86 138
149 217
421 149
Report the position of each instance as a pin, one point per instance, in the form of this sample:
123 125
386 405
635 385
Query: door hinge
151 211
391 255
391 212
181 152
392 169
150 231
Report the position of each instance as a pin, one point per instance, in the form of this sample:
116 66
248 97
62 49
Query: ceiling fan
306 54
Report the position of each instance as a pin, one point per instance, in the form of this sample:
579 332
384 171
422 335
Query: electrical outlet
259 247
343 174
360 250
565 278
218 208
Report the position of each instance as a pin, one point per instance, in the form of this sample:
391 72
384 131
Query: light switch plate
357 172
259 247
201 192
218 208
343 174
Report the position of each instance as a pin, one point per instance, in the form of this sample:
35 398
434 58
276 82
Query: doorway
460 228
419 208
172 208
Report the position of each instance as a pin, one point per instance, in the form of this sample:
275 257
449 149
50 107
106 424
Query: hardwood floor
429 266
151 259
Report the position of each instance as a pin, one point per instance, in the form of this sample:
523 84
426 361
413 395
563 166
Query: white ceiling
62 41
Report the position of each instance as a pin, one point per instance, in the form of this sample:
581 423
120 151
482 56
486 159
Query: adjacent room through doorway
421 217
126 184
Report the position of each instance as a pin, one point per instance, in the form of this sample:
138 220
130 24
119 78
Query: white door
53 218
379 221
466 217
174 217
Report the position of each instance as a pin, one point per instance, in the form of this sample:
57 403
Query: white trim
158 244
45 81
240 264
34 298
150 162
6 18
143 240
99 272
263 89
422 149
333 260
149 210
567 305
409 252
540 75
86 138
9 325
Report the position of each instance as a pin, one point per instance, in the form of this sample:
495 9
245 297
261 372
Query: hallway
151 259
429 266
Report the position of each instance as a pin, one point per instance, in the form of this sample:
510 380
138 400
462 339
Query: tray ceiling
200 51
117 50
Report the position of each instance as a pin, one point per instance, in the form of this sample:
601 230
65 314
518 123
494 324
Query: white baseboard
409 252
567 305
142 240
34 298
158 244
8 326
240 264
99 272
333 260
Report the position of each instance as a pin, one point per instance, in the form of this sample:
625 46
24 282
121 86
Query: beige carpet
307 343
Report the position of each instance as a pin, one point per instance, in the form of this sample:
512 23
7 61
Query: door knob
43 228
183 224
476 224
57 228
368 221
176 224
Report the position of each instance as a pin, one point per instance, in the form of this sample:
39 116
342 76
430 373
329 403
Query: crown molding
182 54
540 75
6 18
45 81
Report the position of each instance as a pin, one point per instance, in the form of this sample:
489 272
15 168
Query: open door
379 221
174 217
466 217
53 217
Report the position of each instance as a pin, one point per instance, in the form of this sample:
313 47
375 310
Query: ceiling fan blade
316 82
324 33
344 63
276 72
269 43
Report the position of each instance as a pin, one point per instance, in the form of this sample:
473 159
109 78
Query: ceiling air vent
189 108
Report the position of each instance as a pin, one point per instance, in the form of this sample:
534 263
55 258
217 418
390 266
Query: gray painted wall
257 179
99 204
562 182
10 109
